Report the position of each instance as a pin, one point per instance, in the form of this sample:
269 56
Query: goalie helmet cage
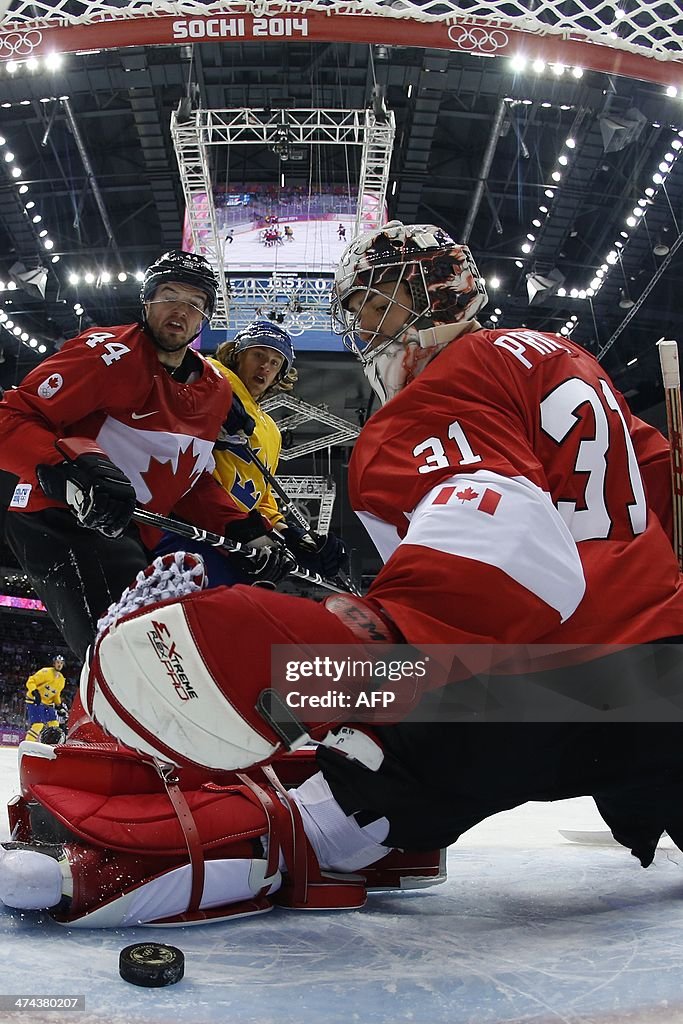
643 41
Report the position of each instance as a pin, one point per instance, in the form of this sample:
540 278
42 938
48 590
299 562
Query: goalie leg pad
116 890
130 857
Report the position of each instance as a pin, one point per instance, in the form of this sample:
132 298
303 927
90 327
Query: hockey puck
151 964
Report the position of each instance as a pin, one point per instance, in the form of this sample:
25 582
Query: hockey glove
53 735
97 492
237 422
265 566
35 698
250 528
322 553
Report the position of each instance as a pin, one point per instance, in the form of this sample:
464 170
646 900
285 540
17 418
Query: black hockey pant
439 778
77 573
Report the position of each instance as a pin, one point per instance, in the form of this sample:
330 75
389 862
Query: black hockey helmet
186 268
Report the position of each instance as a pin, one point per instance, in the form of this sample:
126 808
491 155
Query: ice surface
315 248
528 928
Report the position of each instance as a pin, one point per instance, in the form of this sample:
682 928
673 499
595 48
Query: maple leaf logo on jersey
50 385
467 495
160 465
488 502
160 475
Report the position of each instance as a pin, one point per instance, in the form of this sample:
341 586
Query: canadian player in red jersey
119 416
523 512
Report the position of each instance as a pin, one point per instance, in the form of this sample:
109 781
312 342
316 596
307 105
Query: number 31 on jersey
559 415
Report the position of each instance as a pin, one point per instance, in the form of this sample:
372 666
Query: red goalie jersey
515 499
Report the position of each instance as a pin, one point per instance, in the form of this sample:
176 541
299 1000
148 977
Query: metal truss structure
319 489
301 412
197 132
299 303
195 174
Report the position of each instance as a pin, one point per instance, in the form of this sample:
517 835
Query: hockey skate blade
597 837
600 837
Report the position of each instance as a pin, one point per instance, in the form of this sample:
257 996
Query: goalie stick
668 358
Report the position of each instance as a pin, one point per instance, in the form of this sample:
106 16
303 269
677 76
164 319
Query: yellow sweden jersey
236 472
49 683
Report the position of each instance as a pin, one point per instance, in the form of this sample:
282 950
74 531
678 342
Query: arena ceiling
481 148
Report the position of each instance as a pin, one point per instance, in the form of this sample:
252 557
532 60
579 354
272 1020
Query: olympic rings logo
477 38
20 44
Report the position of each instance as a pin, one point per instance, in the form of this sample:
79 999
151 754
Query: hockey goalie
516 501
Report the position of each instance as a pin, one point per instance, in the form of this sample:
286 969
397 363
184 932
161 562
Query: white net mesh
651 28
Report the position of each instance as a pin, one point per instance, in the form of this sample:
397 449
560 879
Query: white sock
29 880
338 841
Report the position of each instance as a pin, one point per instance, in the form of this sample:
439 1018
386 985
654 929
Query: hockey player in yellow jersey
258 362
44 697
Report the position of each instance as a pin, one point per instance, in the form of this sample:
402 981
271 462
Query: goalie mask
394 288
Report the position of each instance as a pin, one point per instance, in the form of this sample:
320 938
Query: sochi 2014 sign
189 30
115 28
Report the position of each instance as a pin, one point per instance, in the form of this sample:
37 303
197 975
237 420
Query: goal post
643 42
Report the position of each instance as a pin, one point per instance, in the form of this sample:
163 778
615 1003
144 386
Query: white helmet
444 285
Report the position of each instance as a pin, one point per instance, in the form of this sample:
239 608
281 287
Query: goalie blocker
188 681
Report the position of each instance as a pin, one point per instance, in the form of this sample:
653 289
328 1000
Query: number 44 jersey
516 499
108 385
